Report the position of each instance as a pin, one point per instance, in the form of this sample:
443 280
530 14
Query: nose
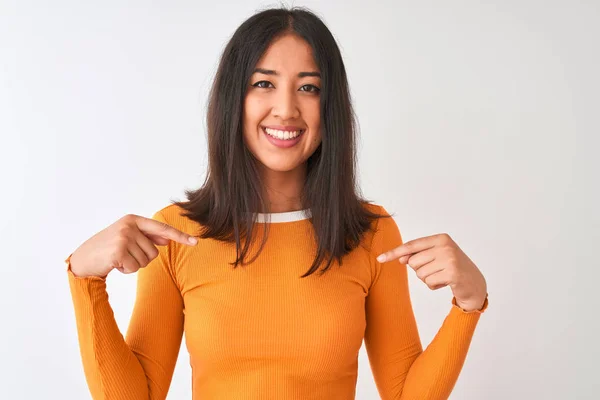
285 106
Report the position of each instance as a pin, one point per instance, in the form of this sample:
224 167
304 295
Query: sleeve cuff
480 311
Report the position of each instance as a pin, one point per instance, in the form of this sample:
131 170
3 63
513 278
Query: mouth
283 134
283 139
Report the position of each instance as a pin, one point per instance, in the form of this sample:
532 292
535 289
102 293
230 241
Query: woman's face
282 106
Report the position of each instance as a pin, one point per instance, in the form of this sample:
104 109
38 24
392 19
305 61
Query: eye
314 89
258 84
310 88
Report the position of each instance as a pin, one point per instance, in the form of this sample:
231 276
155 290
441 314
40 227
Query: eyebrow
273 72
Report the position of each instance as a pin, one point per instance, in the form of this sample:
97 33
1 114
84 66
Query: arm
141 365
401 369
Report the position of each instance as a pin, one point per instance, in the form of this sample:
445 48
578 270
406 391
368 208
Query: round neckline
287 216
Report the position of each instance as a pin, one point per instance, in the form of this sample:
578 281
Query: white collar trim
288 216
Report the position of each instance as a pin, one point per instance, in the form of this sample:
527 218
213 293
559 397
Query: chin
279 166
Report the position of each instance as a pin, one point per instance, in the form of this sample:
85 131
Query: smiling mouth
283 135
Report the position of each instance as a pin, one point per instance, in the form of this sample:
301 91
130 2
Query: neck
284 188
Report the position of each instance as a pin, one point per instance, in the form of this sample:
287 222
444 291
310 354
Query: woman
259 323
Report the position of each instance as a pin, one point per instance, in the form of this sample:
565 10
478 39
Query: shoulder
384 228
169 211
380 210
173 215
374 207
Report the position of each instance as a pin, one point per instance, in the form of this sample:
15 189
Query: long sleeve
141 365
401 369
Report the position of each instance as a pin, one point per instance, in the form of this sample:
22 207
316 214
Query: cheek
311 113
316 141
252 111
249 124
313 119
256 103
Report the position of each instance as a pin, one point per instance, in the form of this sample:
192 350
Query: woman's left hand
439 262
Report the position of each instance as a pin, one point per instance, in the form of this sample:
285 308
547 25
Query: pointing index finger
162 229
397 252
410 247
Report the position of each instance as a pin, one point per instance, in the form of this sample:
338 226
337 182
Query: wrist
472 305
74 267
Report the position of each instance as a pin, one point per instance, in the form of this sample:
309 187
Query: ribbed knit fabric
260 331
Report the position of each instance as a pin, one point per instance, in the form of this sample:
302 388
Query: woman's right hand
127 245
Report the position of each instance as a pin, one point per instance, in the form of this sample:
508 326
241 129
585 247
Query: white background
479 120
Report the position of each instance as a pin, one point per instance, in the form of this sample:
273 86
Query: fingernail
381 258
193 240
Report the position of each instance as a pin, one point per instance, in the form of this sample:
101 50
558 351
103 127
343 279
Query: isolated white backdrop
479 120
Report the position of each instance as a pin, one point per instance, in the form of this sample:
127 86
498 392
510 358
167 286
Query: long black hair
232 191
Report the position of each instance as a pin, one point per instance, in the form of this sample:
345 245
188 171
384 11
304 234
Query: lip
283 143
288 128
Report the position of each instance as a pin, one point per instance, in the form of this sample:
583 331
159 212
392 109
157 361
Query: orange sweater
261 332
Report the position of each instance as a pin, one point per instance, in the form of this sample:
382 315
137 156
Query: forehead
288 54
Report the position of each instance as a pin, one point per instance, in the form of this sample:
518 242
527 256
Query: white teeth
283 135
